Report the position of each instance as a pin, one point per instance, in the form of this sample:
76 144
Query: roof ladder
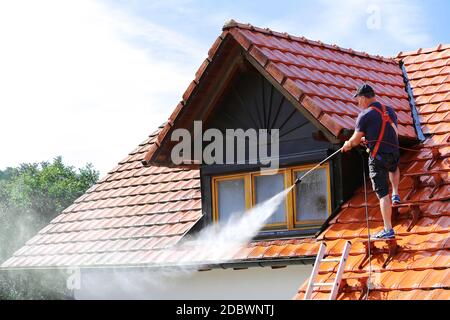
337 281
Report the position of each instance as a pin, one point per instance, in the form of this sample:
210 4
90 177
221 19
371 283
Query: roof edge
439 47
229 24
232 264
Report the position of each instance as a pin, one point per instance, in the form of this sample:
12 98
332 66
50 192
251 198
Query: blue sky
89 80
404 25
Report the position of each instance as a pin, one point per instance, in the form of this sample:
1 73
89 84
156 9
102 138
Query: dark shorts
379 169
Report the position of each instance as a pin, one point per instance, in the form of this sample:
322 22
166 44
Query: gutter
238 264
274 263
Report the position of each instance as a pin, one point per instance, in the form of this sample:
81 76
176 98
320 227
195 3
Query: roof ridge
229 24
439 47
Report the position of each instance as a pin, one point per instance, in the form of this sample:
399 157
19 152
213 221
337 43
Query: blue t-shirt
369 121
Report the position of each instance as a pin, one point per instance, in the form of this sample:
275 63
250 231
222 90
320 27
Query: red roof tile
429 71
320 76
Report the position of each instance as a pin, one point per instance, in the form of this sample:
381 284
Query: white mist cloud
84 81
212 245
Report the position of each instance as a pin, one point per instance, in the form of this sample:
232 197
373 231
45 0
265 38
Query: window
307 206
231 197
265 187
312 197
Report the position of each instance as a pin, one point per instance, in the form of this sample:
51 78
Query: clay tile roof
317 75
135 215
429 74
420 270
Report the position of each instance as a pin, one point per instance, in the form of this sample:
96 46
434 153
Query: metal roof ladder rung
337 281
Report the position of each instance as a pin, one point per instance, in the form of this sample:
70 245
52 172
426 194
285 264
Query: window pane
266 187
312 196
231 198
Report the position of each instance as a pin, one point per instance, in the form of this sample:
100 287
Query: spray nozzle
297 181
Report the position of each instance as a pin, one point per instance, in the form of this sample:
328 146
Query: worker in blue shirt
376 126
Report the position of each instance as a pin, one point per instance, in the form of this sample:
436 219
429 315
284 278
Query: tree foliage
31 195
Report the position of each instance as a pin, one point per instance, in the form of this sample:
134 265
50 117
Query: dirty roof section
321 77
421 268
135 216
125 218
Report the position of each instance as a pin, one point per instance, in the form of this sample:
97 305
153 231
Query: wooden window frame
290 203
271 226
308 224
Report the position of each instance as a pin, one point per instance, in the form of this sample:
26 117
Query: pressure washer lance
318 165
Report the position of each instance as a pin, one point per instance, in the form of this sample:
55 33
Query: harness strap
385 118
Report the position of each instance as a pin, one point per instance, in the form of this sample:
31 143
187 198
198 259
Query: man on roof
376 126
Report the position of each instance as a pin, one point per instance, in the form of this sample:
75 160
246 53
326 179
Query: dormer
277 86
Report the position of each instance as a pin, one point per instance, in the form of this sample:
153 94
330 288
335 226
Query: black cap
363 90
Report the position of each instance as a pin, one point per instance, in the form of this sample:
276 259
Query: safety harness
385 118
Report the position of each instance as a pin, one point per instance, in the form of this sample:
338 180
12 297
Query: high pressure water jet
299 180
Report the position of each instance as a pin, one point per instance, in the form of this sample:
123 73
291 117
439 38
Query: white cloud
406 23
403 24
80 80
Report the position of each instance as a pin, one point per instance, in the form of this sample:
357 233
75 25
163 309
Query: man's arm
354 141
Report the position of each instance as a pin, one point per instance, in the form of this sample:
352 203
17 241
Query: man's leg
394 177
379 176
386 212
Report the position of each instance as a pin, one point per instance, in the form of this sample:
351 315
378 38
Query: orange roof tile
429 72
420 270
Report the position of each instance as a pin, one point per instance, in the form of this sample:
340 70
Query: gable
252 102
318 79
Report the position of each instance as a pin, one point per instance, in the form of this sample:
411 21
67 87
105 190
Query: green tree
31 195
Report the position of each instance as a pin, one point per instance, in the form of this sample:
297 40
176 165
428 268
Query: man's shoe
384 234
396 199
